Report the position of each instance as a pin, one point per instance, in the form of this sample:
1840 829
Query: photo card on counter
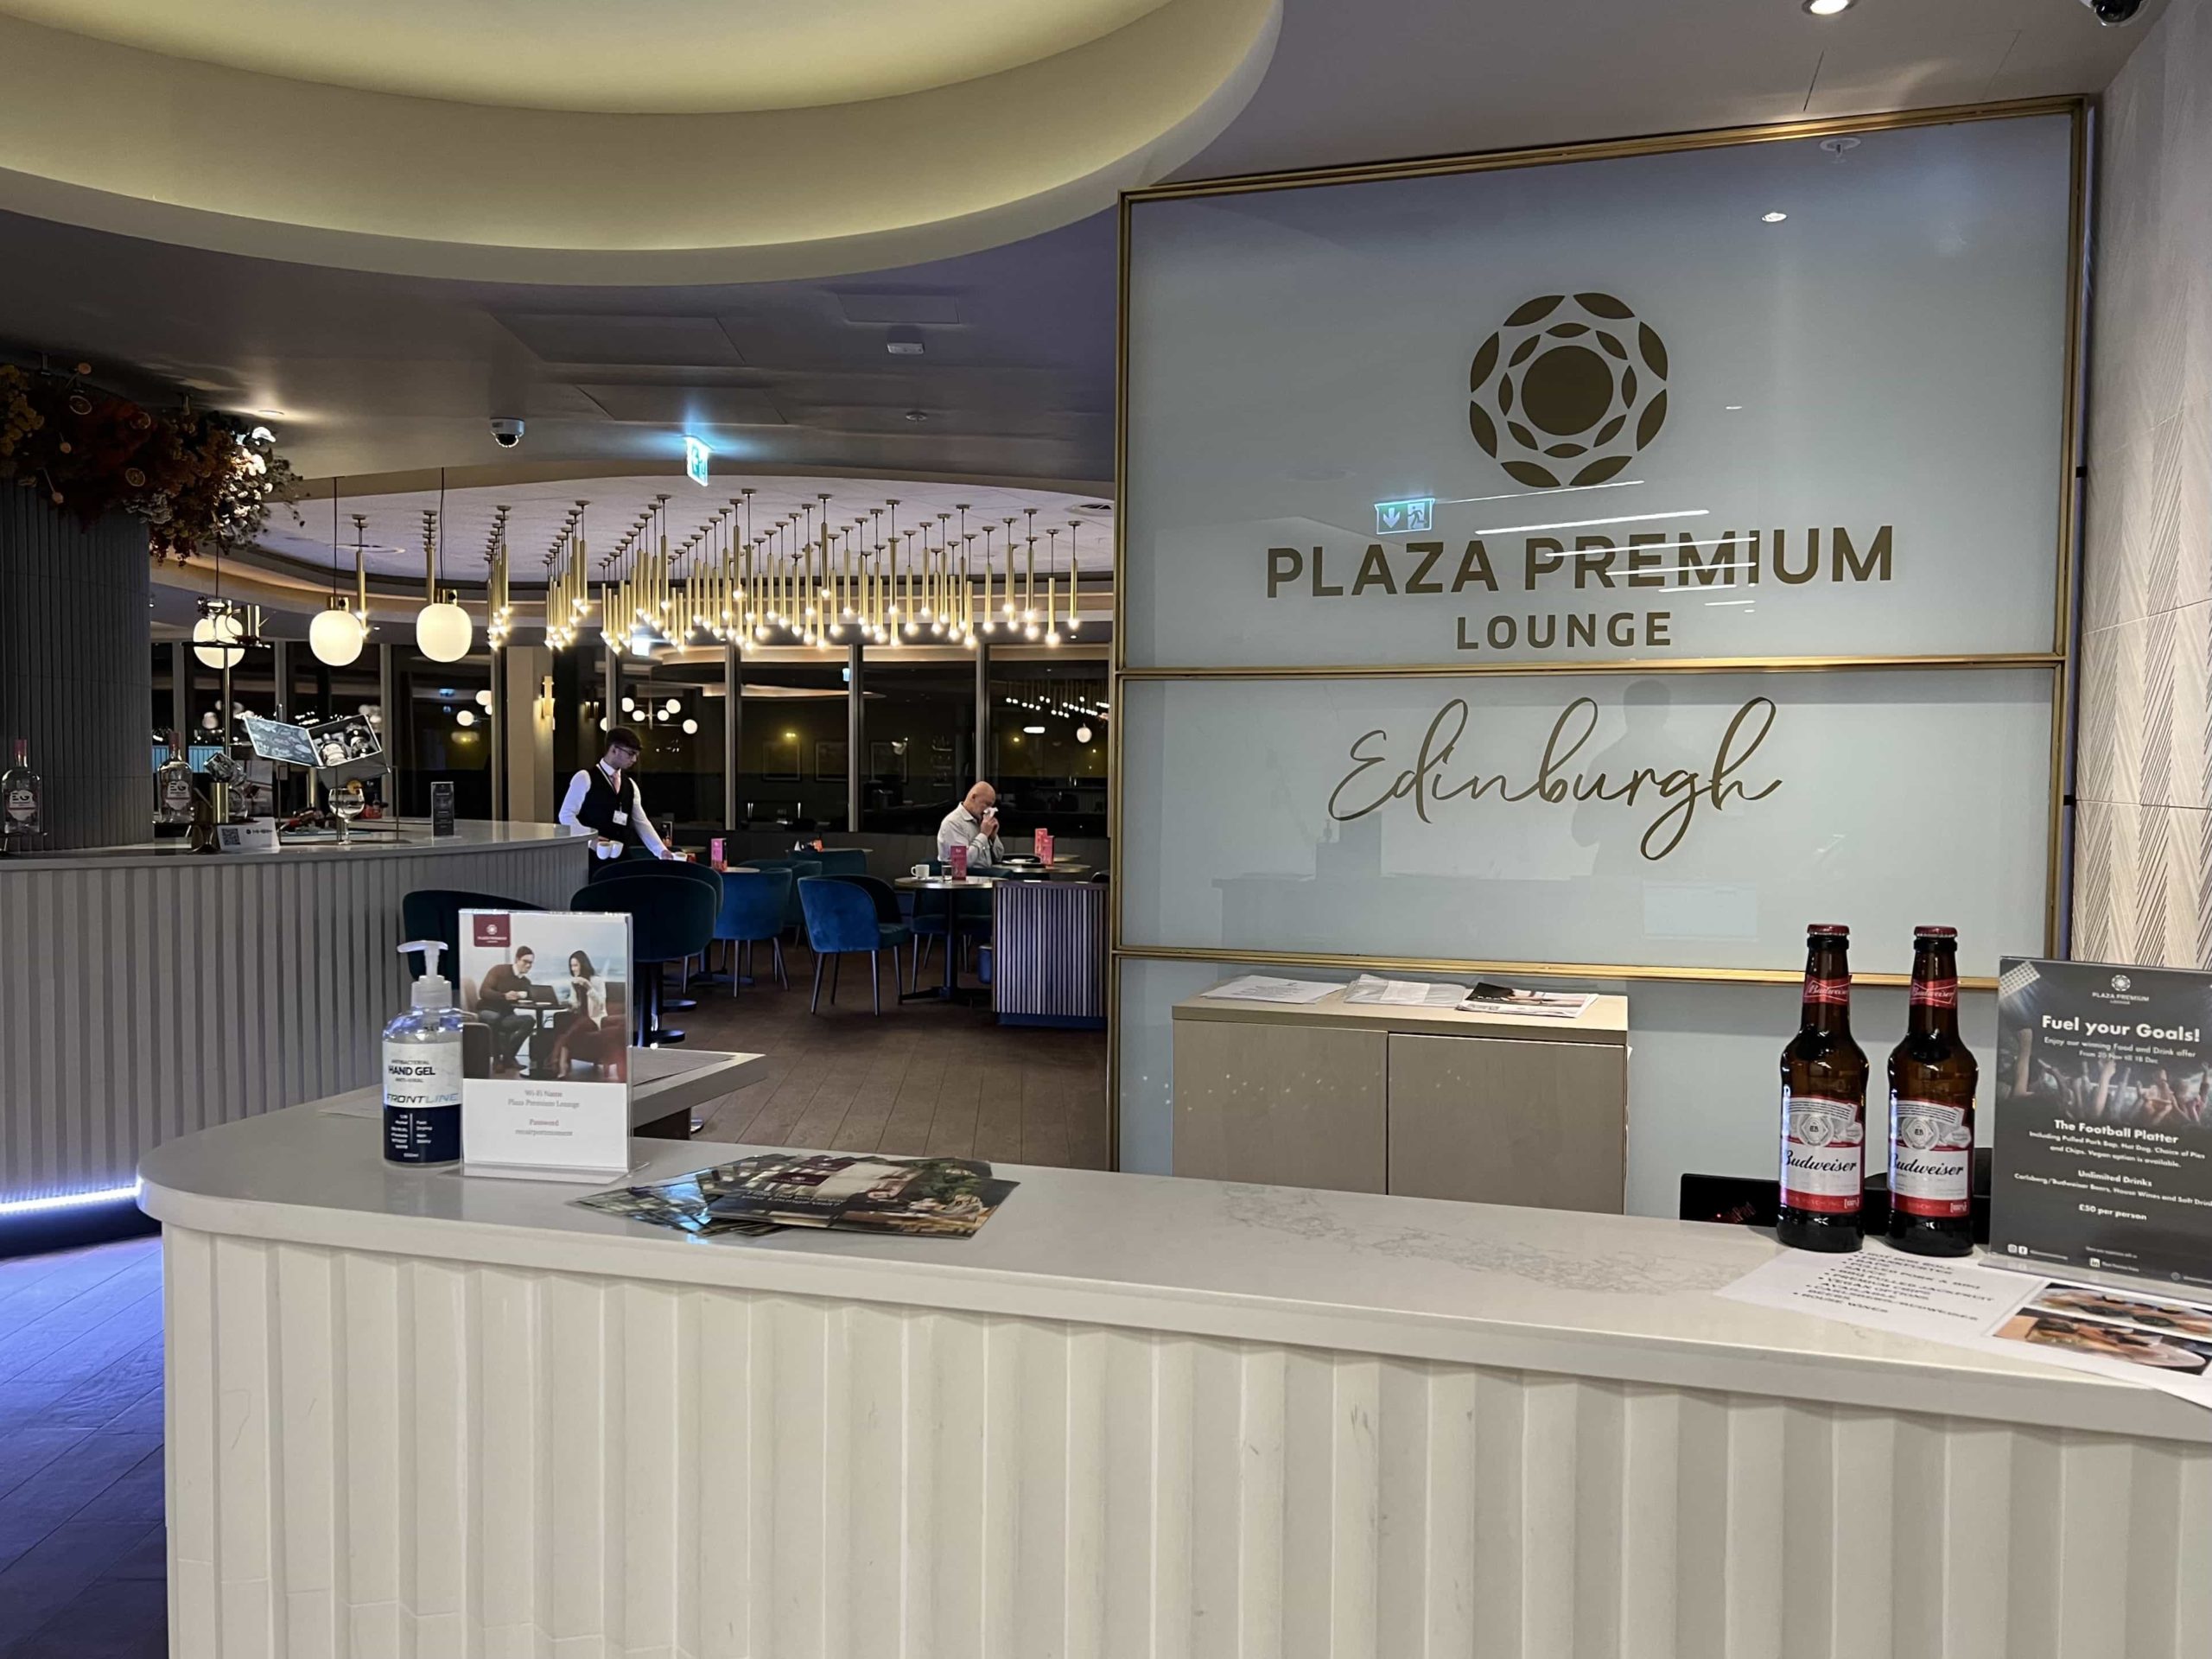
2102 1149
545 1089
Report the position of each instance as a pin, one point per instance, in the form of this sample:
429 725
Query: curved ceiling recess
692 140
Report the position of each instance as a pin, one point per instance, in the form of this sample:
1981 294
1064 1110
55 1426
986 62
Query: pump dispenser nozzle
432 989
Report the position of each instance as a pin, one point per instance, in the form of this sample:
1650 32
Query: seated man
503 1003
974 824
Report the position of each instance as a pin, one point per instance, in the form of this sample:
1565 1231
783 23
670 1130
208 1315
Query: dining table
950 989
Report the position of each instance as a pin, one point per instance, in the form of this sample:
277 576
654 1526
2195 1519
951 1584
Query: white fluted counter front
414 1413
146 992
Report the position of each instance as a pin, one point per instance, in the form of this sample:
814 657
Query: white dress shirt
962 828
621 783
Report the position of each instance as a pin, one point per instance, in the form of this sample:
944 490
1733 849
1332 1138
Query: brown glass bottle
1932 1078
1824 1106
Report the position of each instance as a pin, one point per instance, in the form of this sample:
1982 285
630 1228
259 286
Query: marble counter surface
1620 1297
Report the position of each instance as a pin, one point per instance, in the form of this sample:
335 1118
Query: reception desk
412 1413
147 992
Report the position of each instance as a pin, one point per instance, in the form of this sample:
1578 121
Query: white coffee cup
919 870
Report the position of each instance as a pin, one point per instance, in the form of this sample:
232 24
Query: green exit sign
1405 518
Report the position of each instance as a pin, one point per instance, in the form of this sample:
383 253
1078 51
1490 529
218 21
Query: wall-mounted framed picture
887 761
830 759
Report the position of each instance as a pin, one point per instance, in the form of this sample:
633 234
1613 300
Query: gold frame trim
2059 659
1498 161
1602 665
1518 969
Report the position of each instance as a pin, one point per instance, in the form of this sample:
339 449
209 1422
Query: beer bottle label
1834 991
1931 1158
1823 1153
1935 993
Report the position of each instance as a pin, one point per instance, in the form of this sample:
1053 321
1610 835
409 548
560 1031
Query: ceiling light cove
784 139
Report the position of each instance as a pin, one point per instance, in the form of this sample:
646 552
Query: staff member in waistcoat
603 800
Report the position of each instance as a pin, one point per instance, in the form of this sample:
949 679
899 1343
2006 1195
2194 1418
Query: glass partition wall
1048 737
920 721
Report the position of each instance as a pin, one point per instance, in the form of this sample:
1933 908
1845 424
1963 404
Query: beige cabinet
1428 1103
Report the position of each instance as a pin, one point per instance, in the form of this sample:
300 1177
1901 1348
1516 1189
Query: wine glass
347 800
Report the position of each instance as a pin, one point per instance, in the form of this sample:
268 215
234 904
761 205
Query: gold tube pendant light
1075 578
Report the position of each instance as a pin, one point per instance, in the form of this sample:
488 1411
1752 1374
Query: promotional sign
254 835
548 1094
1784 398
441 807
350 737
2103 1152
279 739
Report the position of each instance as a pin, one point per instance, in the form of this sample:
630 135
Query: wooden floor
83 1562
925 1078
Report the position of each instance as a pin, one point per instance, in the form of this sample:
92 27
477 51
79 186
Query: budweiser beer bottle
1824 1106
1932 1077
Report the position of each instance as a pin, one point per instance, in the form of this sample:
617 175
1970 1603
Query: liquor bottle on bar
20 804
1932 1078
173 784
1824 1106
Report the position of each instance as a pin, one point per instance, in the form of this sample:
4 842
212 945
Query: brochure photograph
553 986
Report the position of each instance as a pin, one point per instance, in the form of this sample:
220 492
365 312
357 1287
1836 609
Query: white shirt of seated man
974 824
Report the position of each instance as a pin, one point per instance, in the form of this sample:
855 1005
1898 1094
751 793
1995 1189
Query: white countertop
1621 1298
1606 1020
408 837
662 1082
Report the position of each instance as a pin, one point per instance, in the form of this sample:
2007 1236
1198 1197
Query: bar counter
146 992
1135 1414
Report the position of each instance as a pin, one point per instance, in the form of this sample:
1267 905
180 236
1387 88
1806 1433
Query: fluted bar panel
379 1457
138 1003
77 667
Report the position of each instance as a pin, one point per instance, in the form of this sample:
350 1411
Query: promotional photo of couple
553 990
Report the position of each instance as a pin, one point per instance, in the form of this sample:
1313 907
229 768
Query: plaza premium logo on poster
1561 380
1565 393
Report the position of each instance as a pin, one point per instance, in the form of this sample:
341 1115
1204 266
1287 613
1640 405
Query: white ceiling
1389 78
381 374
673 57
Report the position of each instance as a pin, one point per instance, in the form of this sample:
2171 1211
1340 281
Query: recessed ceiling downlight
1772 218
1828 8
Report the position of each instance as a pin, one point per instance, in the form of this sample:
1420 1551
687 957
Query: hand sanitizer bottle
423 1069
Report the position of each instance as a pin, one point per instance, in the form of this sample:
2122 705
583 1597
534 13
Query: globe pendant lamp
218 638
442 630
336 635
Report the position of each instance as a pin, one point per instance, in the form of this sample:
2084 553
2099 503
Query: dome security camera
506 431
2110 13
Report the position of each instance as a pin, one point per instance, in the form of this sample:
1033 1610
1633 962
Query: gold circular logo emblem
1569 391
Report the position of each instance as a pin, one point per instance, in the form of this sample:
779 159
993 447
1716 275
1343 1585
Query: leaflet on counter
940 1197
1527 1005
2136 1335
1404 993
1259 988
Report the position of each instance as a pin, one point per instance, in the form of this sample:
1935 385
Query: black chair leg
876 979
777 946
815 1007
837 962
